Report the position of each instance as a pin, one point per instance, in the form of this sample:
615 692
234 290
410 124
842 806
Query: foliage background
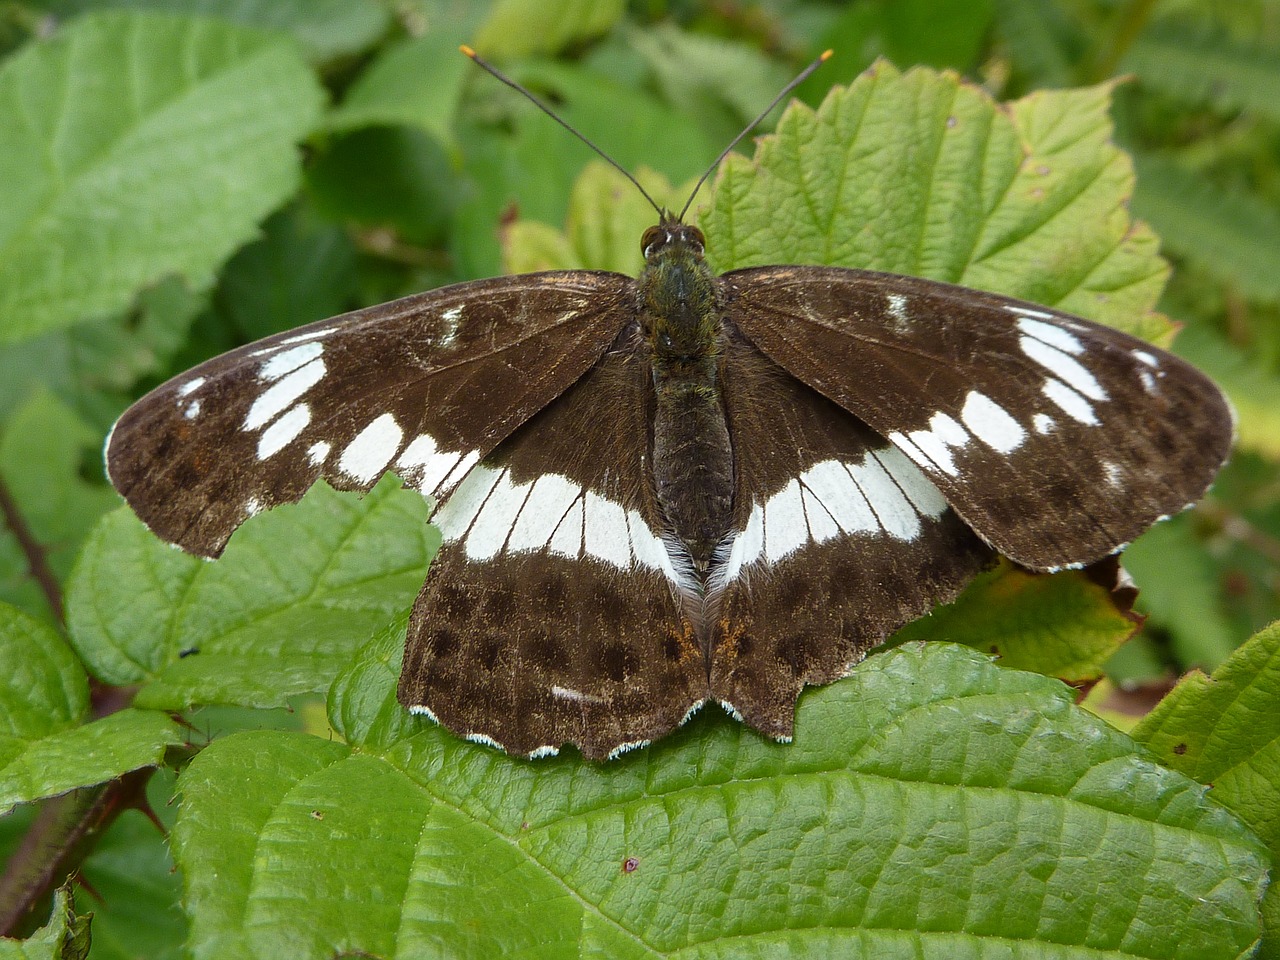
412 165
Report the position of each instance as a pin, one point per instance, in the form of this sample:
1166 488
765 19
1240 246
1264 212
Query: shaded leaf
1062 625
296 592
919 802
64 937
133 146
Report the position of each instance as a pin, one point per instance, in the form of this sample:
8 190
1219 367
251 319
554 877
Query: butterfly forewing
1056 439
424 386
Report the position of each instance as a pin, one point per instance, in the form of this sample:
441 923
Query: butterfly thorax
692 455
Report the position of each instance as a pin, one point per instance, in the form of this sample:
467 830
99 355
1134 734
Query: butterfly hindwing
1056 439
549 615
424 386
840 540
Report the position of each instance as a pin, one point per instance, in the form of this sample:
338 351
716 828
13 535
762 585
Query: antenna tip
823 58
467 51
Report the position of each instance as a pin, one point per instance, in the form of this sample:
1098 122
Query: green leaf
1180 590
134 146
1200 68
519 28
925 809
1236 236
41 452
293 595
606 218
1224 730
1064 625
64 937
415 83
949 33
326 29
920 173
43 696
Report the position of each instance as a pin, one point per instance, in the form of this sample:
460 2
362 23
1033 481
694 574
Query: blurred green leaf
926 773
937 33
922 174
296 592
1177 578
1234 235
122 160
1202 68
519 28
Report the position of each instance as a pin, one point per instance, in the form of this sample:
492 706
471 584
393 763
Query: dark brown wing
840 540
424 386
548 616
1058 440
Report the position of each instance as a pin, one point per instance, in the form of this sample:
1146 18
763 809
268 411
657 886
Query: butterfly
677 489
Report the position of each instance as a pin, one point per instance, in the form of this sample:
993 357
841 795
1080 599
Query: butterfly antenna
800 78
528 95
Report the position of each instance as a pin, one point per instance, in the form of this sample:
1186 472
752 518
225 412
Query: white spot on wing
281 433
318 452
1150 359
191 386
192 410
1071 403
607 537
546 750
452 319
1148 382
896 514
311 335
289 360
455 517
833 485
548 502
1043 423
991 423
785 529
1052 335
1028 311
1062 366
924 496
368 455
492 525
282 394
567 539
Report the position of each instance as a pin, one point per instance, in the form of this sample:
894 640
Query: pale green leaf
295 593
518 28
920 173
931 806
137 145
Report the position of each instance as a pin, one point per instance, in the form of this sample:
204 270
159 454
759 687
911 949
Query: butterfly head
669 237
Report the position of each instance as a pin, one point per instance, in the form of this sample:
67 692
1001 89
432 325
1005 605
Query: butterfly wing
407 386
840 540
1058 440
548 616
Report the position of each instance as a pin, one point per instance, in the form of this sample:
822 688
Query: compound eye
695 236
652 237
